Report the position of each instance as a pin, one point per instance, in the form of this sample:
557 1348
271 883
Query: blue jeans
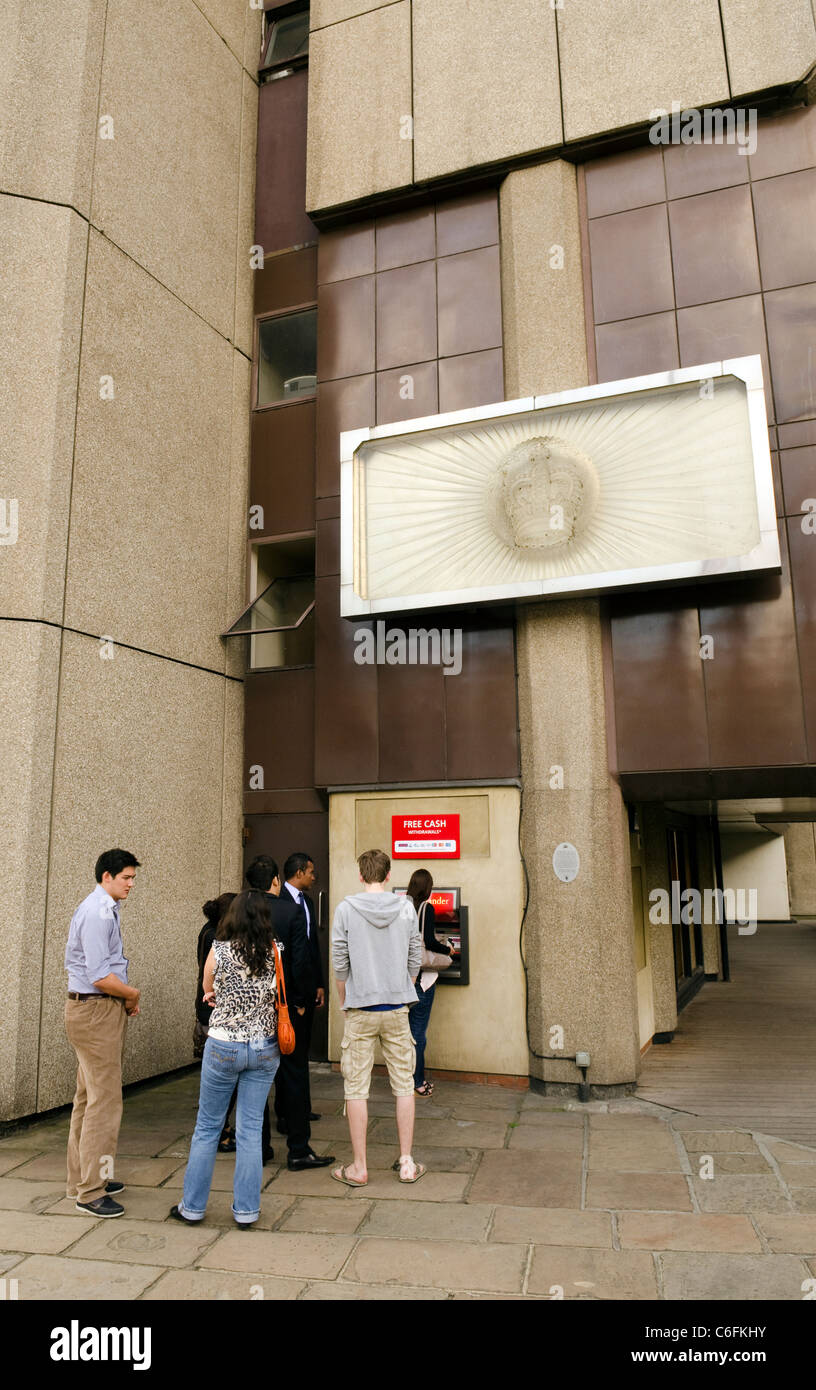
418 1016
253 1066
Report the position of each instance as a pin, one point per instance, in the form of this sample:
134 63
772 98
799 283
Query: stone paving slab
740 1192
38 1235
365 1293
804 1198
744 1278
170 1245
153 1204
204 1285
435 1157
789 1234
302 1255
720 1141
13 1158
18 1195
149 1143
730 1162
439 1264
561 1144
446 1133
784 1152
434 1187
553 1119
142 1172
552 1227
428 1220
525 1179
687 1231
619 1153
638 1191
10 1258
45 1277
605 1274
798 1174
322 1216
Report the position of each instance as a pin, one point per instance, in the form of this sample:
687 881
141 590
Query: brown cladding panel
347 252
464 224
469 302
341 405
785 222
658 682
798 479
791 315
405 393
345 338
412 721
729 328
753 694
624 181
481 717
631 264
803 576
282 471
280 190
636 347
327 550
475 379
279 713
346 722
714 246
406 315
286 281
702 168
405 237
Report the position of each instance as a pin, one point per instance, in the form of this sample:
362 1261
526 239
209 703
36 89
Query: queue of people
256 948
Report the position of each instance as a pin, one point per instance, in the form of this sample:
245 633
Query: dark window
287 357
288 40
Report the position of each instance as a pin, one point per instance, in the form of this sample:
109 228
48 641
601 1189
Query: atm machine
451 926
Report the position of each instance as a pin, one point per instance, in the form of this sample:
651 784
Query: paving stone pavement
526 1197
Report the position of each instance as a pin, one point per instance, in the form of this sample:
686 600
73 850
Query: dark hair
216 907
261 872
295 863
248 925
420 887
113 861
374 866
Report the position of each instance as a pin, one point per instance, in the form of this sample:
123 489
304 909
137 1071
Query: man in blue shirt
100 1001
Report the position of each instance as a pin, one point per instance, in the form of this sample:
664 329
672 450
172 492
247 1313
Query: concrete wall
125 351
800 853
410 91
477 1027
758 862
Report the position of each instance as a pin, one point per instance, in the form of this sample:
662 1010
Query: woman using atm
419 891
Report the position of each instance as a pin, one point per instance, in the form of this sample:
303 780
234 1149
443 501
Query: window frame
267 72
256 356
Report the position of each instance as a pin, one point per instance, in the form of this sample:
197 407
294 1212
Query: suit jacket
297 968
311 944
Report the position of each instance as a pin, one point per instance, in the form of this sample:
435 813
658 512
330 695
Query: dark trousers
293 1100
418 1017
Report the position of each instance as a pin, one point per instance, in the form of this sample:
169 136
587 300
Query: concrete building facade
454 206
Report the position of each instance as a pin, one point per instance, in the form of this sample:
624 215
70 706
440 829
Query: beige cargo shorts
363 1028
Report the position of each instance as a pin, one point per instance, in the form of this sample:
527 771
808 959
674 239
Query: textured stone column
578 936
800 850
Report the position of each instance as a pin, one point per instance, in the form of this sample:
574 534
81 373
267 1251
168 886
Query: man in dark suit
292 1091
263 875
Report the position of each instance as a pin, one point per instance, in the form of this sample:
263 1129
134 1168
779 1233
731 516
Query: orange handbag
286 1031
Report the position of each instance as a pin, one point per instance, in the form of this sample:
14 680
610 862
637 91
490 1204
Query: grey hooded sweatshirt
376 948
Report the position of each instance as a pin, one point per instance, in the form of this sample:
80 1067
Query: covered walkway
745 1051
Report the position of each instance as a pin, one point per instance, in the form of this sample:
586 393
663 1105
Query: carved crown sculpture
542 495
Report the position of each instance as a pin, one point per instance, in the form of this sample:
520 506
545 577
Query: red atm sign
425 837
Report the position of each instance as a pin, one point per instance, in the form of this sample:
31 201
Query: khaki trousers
96 1032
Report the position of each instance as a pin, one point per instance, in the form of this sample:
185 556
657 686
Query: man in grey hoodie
376 957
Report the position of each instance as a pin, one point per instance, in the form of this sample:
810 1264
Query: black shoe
177 1216
314 1117
112 1189
245 1225
268 1155
309 1160
282 1127
103 1206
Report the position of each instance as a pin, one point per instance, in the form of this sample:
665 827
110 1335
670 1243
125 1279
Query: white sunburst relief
625 485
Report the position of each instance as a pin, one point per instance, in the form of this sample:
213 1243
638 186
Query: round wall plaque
566 862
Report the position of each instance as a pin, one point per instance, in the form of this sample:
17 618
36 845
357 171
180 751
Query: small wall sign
566 862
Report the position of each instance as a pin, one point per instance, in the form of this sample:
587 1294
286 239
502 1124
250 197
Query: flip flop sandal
419 1171
340 1176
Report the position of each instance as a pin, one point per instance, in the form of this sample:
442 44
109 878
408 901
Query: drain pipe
582 1061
